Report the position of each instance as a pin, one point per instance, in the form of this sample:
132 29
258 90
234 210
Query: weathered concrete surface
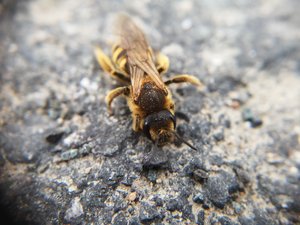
52 100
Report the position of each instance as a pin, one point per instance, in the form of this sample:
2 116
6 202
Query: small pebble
70 154
199 198
249 116
132 196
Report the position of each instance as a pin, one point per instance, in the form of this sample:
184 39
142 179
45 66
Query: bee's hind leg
108 66
184 78
115 93
162 63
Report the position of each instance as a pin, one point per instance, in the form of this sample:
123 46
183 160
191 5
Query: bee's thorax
151 98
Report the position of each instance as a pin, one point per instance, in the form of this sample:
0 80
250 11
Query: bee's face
159 126
164 136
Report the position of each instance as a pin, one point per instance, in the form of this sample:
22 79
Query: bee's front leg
184 78
136 120
115 93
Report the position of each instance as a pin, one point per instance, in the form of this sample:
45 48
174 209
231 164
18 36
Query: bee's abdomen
151 99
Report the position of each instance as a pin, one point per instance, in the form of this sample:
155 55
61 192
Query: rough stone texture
64 160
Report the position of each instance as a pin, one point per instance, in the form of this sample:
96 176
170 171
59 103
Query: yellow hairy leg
136 115
184 78
136 122
162 63
108 66
115 93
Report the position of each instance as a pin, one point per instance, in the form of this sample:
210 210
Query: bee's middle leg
162 63
184 78
108 66
115 93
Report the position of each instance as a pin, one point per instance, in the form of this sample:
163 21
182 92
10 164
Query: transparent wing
140 60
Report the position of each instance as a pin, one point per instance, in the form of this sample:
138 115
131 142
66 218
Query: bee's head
159 126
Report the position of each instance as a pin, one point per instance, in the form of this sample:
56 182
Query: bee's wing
136 77
140 60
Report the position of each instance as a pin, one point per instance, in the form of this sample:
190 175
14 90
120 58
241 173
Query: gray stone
148 213
63 159
217 191
120 219
200 217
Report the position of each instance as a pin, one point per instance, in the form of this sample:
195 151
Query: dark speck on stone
249 116
148 213
199 198
54 137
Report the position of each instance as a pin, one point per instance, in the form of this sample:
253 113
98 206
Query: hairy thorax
151 99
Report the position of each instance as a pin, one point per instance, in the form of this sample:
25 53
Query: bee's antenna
184 141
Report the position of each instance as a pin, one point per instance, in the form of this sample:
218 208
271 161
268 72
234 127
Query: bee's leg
108 67
136 122
183 78
162 63
115 93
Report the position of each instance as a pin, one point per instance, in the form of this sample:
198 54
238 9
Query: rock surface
65 161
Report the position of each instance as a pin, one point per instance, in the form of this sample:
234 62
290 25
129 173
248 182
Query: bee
140 70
